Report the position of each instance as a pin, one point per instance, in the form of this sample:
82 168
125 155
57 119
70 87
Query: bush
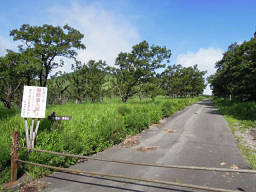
155 115
167 109
137 122
237 109
123 110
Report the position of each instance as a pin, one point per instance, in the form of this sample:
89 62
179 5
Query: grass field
241 117
93 128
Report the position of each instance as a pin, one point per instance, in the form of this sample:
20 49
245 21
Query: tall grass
93 128
237 109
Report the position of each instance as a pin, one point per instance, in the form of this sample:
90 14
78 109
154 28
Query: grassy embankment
241 117
93 128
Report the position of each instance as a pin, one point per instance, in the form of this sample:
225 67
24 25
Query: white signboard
34 102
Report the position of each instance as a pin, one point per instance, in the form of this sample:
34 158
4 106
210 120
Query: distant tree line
134 73
236 72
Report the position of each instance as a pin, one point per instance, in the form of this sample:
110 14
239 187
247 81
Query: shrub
155 115
167 109
136 122
123 110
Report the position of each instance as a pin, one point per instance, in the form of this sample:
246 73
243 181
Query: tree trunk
125 98
7 104
60 99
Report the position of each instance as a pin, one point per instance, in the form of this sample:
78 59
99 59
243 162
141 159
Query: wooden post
14 165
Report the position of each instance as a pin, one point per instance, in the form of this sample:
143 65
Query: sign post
53 117
33 106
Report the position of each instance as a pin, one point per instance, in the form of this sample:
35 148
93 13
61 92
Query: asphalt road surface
201 137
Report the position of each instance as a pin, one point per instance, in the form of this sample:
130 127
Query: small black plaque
53 117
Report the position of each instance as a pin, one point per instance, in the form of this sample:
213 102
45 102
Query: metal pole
147 164
14 165
82 172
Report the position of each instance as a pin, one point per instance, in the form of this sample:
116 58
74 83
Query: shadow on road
118 181
210 105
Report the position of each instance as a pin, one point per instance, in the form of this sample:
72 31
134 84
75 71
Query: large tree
58 88
152 88
236 72
171 81
46 43
183 81
88 80
137 67
11 73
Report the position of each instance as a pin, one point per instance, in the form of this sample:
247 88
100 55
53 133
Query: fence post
14 165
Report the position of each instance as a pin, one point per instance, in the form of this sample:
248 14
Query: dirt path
197 136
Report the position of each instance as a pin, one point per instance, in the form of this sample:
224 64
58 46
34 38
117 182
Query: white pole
31 132
26 130
35 133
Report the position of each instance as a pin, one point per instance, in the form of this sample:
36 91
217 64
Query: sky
196 31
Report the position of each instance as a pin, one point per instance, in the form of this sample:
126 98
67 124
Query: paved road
202 138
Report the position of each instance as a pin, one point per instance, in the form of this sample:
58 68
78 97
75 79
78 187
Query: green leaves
183 81
88 81
46 42
138 67
40 45
236 72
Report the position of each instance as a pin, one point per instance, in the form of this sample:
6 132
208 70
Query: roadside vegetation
93 128
241 117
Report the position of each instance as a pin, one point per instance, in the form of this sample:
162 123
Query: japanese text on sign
34 102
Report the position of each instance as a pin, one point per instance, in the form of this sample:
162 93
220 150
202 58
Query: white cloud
5 43
205 58
106 34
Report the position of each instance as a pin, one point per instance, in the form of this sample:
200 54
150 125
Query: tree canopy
88 80
183 81
46 43
135 73
236 72
138 67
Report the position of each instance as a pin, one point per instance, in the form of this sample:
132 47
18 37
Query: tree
47 42
193 81
10 79
198 81
57 88
171 81
137 67
152 88
88 80
236 72
183 81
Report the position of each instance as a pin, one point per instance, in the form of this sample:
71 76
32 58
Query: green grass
241 116
93 128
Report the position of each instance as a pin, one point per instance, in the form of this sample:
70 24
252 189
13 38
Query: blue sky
197 31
